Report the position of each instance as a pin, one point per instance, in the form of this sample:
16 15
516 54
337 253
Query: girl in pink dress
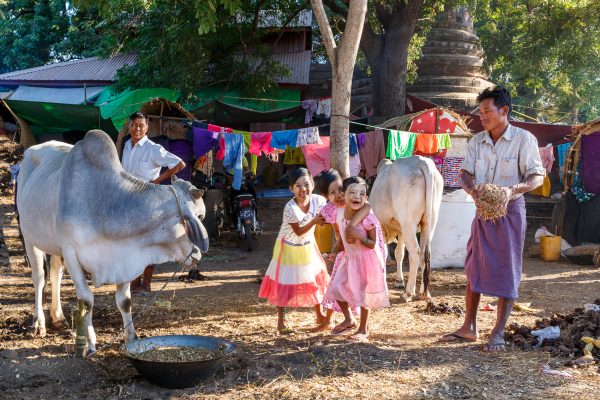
297 275
329 184
359 279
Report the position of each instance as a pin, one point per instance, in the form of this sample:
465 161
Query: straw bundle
491 202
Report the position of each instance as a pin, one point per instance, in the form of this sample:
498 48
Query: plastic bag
541 232
550 332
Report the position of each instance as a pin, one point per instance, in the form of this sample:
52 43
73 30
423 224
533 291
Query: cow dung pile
573 327
491 202
443 308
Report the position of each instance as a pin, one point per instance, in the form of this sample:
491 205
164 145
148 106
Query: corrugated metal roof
93 70
69 95
299 64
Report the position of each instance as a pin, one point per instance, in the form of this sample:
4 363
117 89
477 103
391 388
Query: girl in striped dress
297 275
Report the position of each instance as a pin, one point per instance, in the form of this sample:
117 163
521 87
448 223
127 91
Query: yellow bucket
550 248
324 237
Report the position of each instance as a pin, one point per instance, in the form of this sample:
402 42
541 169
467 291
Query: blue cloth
353 145
577 188
234 153
282 138
204 141
561 150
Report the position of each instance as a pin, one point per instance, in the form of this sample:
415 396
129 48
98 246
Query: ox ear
196 193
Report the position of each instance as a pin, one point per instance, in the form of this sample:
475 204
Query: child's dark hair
324 179
500 95
352 181
138 114
299 173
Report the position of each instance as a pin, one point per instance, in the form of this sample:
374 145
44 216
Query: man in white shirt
144 159
506 156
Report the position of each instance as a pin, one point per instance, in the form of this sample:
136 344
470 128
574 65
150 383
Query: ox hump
99 149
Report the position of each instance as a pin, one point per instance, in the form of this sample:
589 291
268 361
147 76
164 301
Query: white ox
406 197
77 202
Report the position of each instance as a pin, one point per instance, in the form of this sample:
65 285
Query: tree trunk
387 55
342 59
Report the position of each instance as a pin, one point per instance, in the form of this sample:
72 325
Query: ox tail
426 221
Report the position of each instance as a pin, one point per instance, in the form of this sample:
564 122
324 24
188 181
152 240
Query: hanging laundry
361 140
293 156
201 125
317 156
204 141
308 136
578 190
590 162
253 158
400 144
547 156
280 139
220 154
372 152
324 107
311 107
216 128
426 144
443 140
354 165
234 153
353 147
260 142
451 171
561 151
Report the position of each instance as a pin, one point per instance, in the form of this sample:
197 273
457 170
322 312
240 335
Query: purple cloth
361 139
590 163
495 253
204 141
311 107
183 149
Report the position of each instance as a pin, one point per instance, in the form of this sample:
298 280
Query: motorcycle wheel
248 235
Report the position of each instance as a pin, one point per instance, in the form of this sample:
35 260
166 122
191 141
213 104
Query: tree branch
326 33
370 42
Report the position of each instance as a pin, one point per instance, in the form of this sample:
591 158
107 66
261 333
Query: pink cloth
217 128
547 156
372 152
221 152
260 141
317 156
360 276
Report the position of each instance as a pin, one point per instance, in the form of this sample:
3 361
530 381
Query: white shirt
146 158
515 156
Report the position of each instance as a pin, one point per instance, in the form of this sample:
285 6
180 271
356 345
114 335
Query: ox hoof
399 284
406 298
426 297
60 324
39 330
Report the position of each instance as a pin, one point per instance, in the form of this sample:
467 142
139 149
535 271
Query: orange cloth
426 144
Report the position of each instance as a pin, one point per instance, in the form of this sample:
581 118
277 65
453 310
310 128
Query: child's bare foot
284 330
323 326
359 338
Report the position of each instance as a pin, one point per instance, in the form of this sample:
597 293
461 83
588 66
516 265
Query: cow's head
193 212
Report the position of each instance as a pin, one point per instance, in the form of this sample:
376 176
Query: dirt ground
402 360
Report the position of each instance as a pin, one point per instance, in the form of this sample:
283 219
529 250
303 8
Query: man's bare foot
457 337
495 344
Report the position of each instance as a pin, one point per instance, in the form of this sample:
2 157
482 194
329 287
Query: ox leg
36 261
425 263
123 298
414 255
56 273
84 293
399 255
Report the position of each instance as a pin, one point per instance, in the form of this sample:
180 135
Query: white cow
77 202
405 197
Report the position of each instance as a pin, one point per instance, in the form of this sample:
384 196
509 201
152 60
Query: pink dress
360 274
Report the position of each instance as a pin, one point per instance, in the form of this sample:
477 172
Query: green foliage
546 53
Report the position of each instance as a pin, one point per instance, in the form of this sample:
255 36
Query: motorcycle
245 213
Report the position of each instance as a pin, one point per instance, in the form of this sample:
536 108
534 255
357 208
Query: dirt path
403 359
